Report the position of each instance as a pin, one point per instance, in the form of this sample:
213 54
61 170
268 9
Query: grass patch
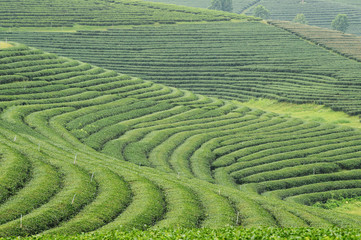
345 205
5 45
311 112
353 207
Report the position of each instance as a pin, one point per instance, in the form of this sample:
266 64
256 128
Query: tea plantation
84 148
68 13
120 121
238 61
317 12
344 44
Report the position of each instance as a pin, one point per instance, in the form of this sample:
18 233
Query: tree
340 23
300 18
261 12
223 5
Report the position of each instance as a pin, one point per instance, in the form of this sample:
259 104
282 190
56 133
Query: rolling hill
317 12
81 13
102 150
138 127
236 61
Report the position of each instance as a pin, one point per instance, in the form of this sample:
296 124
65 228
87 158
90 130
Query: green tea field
120 152
238 61
70 13
195 125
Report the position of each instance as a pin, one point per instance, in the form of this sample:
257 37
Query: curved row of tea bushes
225 60
15 171
125 153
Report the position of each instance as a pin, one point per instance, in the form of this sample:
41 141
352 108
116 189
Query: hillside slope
84 148
345 44
59 13
238 61
317 12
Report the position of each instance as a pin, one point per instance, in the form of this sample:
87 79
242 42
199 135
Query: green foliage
261 12
221 233
223 5
300 18
340 23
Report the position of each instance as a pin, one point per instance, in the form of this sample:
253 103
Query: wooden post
72 202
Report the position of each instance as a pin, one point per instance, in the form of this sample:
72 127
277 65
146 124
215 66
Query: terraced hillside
84 148
236 61
239 6
317 12
70 13
344 44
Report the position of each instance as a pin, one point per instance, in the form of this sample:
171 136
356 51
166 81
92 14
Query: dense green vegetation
59 13
121 153
228 60
222 233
